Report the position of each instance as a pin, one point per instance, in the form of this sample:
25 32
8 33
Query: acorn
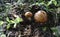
40 16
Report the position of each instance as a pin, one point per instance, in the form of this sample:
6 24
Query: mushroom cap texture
40 16
28 14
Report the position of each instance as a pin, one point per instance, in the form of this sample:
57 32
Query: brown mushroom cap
28 14
40 16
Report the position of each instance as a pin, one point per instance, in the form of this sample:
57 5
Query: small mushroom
28 15
40 16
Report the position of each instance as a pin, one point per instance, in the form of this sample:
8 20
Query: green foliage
15 21
52 2
56 31
3 35
8 6
1 23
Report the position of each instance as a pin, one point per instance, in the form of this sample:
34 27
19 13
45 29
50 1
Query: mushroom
40 16
28 15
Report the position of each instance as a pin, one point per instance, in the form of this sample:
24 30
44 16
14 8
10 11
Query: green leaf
52 0
3 35
1 23
15 25
55 3
8 26
55 30
7 19
18 19
49 3
44 28
11 21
